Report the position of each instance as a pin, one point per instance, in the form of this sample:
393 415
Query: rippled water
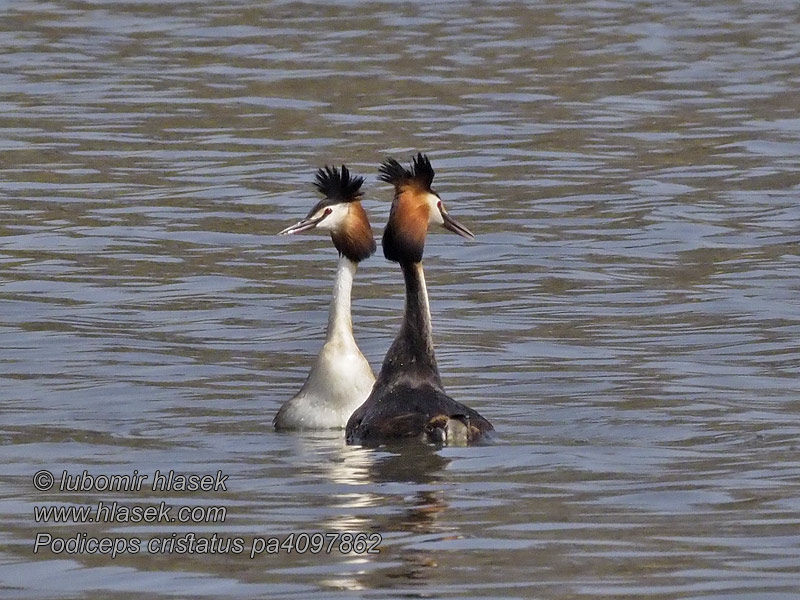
627 316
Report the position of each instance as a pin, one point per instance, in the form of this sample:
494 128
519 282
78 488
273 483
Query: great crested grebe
408 400
341 377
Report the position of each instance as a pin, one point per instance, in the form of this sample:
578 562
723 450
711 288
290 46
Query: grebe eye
328 211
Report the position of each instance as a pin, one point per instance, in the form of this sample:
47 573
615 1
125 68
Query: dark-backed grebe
341 377
408 400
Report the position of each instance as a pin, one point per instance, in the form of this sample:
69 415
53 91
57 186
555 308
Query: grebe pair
407 400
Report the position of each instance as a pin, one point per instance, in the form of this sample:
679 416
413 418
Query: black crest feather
339 186
421 172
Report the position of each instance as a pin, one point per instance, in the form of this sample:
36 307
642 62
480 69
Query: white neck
340 323
424 291
341 378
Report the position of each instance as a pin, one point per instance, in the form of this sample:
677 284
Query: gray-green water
628 316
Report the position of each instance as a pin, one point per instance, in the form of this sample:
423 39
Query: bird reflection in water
396 491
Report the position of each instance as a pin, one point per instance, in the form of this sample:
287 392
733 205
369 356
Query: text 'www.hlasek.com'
118 512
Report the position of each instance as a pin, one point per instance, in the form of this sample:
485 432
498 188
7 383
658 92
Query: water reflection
419 516
396 492
408 463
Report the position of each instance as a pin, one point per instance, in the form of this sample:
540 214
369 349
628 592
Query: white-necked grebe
341 378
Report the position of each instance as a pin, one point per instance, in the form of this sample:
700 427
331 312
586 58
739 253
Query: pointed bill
301 226
452 225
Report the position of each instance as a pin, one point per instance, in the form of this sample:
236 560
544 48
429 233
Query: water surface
627 316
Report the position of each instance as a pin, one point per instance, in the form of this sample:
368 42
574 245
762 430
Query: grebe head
416 206
341 213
